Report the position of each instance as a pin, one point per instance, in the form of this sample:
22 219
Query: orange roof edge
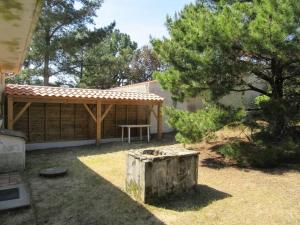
62 92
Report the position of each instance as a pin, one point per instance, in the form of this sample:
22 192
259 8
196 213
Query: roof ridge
74 88
63 92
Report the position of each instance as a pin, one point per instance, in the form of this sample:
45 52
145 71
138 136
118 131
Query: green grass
94 192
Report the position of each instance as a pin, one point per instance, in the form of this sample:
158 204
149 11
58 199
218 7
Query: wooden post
10 113
98 126
159 122
2 87
45 121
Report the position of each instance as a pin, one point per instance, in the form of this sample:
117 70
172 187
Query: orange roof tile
64 92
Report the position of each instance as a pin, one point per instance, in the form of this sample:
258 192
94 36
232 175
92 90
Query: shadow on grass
200 197
83 197
217 161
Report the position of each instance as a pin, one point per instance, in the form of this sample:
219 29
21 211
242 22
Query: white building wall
234 99
139 87
155 88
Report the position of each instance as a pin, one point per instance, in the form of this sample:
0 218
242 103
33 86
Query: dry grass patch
93 192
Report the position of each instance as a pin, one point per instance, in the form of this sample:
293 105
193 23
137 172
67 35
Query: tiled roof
64 92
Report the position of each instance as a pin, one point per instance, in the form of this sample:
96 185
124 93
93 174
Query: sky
139 18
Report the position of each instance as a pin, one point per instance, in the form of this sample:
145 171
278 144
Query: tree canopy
67 46
60 36
107 64
219 47
144 63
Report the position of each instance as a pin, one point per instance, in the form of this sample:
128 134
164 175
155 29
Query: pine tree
55 36
217 48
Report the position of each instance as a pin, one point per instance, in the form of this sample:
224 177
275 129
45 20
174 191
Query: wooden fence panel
22 124
37 122
53 122
81 122
67 121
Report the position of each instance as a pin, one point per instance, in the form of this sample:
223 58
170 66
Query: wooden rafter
90 112
159 122
18 116
106 112
10 113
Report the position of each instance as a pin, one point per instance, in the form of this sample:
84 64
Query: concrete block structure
153 174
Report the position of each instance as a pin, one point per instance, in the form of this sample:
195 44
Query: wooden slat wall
37 123
22 123
81 125
53 122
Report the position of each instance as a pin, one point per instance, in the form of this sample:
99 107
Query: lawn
93 192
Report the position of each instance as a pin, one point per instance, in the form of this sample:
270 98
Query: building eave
18 19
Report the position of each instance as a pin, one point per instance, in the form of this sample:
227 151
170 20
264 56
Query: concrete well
152 174
12 151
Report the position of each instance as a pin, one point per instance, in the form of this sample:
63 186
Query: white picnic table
141 126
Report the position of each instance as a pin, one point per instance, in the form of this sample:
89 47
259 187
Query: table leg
129 135
141 133
148 133
122 134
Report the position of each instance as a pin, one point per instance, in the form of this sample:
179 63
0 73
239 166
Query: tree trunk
278 125
46 70
47 59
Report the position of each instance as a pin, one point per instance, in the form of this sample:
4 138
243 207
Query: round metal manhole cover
53 172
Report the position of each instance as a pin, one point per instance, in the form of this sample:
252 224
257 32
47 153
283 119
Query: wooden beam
18 116
74 123
98 121
116 122
10 113
106 112
28 124
45 122
159 122
90 112
60 121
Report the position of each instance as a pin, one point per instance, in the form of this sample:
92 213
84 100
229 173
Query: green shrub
261 153
194 127
261 99
280 115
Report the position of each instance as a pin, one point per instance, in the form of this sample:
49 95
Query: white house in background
234 99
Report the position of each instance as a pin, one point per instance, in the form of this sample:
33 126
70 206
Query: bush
194 127
261 153
280 115
261 99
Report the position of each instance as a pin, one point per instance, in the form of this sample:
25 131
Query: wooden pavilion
50 114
